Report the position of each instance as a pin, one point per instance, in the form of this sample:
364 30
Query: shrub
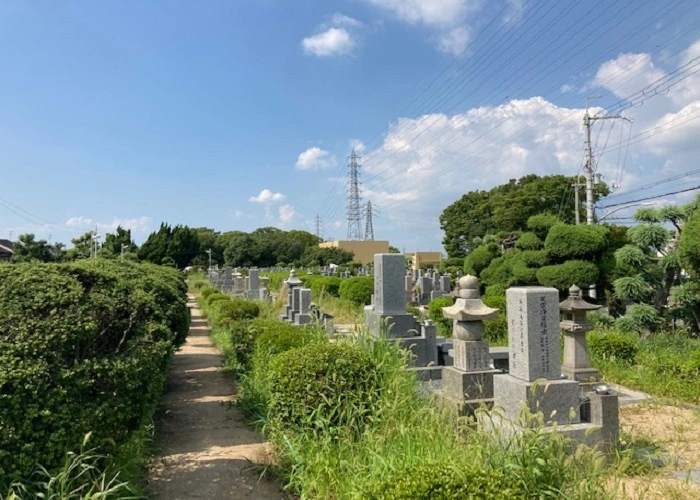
567 242
573 272
430 481
533 258
480 258
528 241
523 275
610 344
235 310
616 306
207 291
323 386
444 325
358 289
496 330
213 297
329 285
101 335
689 244
640 318
601 320
541 224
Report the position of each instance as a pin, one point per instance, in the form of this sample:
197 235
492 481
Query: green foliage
633 288
316 256
541 224
640 318
649 236
573 272
689 245
611 344
444 325
326 285
533 258
101 334
480 258
616 305
523 275
529 241
358 289
505 208
496 330
180 244
322 386
230 310
432 481
567 242
27 248
631 256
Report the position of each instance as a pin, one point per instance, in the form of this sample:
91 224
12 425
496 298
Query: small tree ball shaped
468 282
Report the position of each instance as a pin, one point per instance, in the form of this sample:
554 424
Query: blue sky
240 114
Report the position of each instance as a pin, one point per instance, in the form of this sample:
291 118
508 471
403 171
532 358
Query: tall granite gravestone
303 316
469 382
227 285
253 288
535 378
291 283
388 317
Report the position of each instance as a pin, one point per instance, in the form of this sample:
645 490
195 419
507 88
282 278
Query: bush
541 224
358 290
329 285
566 242
641 318
610 344
444 325
573 272
235 310
323 386
616 306
496 330
533 258
430 481
523 275
689 245
528 241
480 258
83 347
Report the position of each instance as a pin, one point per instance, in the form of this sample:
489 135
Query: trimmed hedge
610 344
320 387
567 242
444 325
84 347
573 272
358 289
430 481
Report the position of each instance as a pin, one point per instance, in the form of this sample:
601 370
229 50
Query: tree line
181 246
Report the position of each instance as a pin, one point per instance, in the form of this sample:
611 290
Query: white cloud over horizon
138 224
267 196
331 42
315 158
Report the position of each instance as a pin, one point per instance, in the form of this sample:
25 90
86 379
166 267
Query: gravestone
534 379
227 285
290 283
253 284
303 316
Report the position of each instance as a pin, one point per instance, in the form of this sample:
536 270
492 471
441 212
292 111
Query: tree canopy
507 208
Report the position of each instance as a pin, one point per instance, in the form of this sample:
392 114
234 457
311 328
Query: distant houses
7 250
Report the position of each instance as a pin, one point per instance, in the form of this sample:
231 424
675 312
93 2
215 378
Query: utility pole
577 200
121 253
319 227
589 167
209 252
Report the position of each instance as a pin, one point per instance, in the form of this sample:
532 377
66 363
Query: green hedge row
84 347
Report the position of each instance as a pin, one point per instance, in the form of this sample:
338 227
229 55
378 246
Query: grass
667 365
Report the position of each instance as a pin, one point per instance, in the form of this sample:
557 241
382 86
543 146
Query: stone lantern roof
293 280
468 306
575 302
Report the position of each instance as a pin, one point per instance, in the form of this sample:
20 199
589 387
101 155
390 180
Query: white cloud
627 74
454 41
430 12
137 224
315 159
333 41
267 196
357 145
339 19
287 214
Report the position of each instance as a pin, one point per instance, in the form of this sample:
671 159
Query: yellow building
418 259
364 250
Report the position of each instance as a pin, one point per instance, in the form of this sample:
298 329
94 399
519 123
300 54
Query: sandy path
207 450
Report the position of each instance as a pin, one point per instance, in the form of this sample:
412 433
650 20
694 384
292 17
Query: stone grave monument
468 384
534 377
303 315
290 283
227 285
387 315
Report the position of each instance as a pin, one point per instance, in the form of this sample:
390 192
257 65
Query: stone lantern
469 383
577 364
290 284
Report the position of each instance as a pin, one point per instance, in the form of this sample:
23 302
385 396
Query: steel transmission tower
353 213
369 228
319 227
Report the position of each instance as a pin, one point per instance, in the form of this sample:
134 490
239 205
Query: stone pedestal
557 400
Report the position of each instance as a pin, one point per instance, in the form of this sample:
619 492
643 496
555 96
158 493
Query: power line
651 197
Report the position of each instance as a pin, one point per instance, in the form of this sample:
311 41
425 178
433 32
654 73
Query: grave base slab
466 386
558 400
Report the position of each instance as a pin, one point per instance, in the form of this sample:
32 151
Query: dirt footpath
206 449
